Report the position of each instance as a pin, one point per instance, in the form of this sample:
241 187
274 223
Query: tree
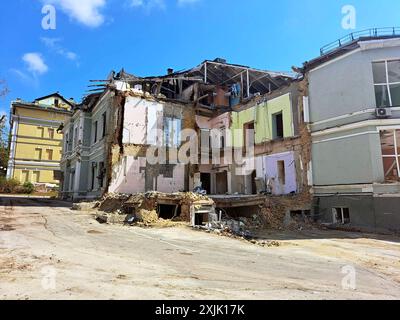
3 132
3 88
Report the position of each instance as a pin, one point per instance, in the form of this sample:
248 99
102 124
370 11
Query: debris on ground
84 206
112 202
142 210
147 217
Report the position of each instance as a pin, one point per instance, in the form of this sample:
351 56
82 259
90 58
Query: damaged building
230 131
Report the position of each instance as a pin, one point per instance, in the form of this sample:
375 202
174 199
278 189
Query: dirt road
48 251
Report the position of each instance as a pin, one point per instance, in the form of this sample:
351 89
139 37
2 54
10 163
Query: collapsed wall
142 123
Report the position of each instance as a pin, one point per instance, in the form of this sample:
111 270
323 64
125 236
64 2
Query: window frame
343 220
396 154
95 134
104 120
172 139
387 84
51 133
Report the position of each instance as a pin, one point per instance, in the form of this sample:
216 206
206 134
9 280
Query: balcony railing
368 33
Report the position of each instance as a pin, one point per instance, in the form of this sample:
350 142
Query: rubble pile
276 212
112 202
146 217
141 208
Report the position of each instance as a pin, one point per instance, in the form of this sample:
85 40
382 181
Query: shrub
10 186
28 188
2 183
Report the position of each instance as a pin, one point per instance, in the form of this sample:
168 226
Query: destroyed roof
89 101
349 43
219 72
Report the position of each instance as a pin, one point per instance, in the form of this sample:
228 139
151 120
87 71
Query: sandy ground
48 251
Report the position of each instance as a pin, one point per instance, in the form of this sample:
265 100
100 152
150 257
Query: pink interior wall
267 168
175 184
134 181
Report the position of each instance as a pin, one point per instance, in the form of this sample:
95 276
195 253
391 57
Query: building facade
35 142
354 110
108 138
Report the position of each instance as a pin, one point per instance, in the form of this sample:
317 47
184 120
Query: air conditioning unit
383 113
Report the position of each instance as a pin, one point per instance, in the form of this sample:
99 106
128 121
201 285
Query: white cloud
54 45
148 5
187 2
35 63
31 80
86 12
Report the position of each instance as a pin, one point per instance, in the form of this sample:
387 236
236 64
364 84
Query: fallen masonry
235 216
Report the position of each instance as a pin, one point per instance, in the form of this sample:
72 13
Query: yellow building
35 143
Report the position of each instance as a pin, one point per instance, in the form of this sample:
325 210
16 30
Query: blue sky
93 37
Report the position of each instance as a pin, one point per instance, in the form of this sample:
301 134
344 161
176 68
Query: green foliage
28 188
14 186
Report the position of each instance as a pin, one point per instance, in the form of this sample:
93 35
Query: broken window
281 172
277 126
56 103
172 132
390 143
341 215
102 172
95 131
387 83
248 135
167 170
104 120
94 165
